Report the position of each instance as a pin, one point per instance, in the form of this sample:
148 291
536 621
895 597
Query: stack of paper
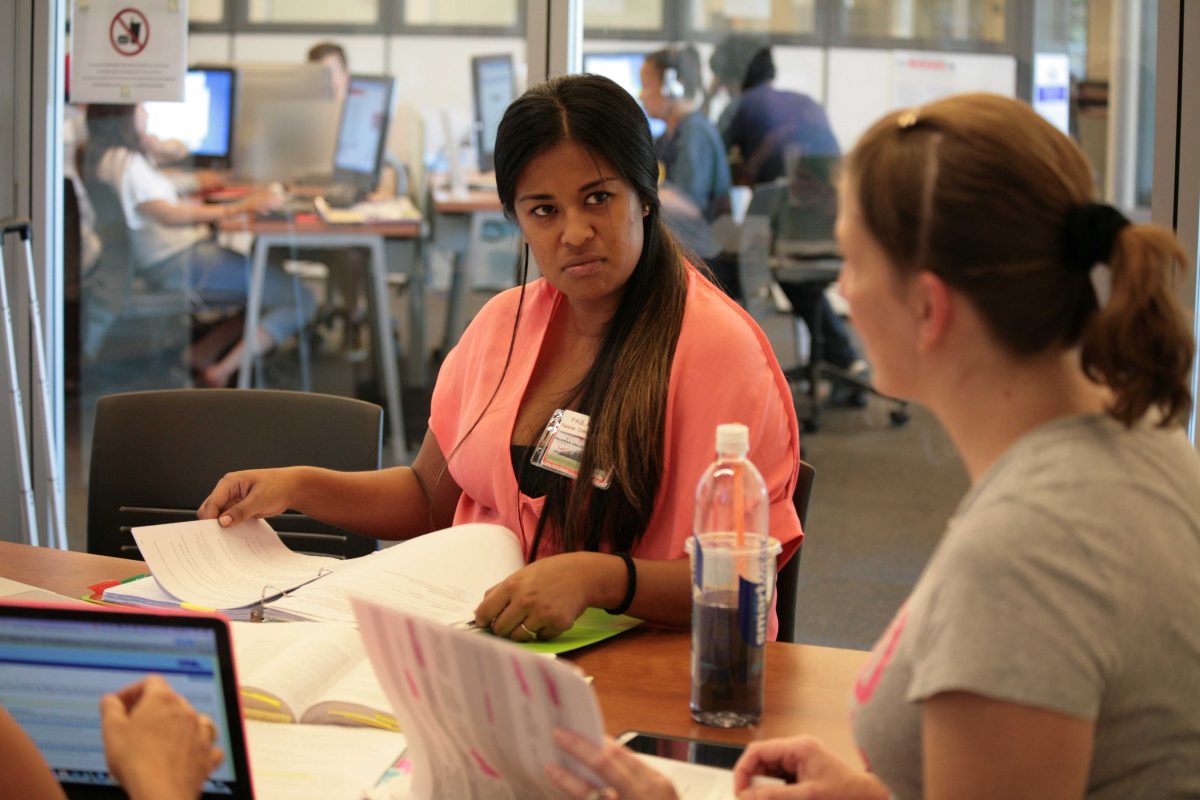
246 571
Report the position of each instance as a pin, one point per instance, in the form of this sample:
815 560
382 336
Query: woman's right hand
808 767
251 494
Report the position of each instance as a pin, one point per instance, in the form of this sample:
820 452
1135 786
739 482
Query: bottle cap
733 437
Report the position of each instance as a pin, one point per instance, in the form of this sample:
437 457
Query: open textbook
479 714
247 572
308 672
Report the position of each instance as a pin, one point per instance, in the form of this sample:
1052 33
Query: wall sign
127 51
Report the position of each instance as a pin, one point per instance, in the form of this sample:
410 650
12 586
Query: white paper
440 576
318 762
226 568
478 712
125 52
696 781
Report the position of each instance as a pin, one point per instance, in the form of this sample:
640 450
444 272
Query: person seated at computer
172 240
1050 648
619 328
729 63
772 134
768 123
695 173
157 747
333 57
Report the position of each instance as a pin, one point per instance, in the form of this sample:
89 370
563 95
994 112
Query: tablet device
693 751
57 661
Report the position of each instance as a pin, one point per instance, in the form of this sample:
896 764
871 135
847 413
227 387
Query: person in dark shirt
773 133
768 124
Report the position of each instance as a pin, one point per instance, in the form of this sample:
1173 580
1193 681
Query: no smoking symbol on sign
129 32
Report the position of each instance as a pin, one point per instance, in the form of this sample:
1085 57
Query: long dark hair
625 391
109 126
980 190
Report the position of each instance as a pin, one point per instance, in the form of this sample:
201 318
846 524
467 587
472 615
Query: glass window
343 12
762 16
1098 88
934 20
206 10
467 13
623 15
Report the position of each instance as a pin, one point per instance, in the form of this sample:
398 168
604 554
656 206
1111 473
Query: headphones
672 87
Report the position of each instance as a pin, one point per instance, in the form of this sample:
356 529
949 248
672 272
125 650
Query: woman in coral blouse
620 328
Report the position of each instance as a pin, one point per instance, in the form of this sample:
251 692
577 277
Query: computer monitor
204 121
624 69
287 122
494 87
362 132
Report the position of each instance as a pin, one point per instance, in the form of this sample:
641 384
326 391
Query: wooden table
641 677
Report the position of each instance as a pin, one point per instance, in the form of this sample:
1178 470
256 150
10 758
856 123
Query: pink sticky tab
521 678
551 686
412 685
416 644
487 705
484 766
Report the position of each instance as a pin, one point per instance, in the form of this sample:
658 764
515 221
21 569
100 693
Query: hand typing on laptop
157 746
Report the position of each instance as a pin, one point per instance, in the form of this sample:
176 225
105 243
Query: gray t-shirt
1068 580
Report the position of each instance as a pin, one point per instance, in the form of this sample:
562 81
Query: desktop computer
287 122
204 121
494 86
361 145
624 69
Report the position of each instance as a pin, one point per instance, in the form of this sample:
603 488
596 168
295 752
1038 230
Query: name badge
560 447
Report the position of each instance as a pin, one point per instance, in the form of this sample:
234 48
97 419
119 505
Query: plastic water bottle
731 475
733 572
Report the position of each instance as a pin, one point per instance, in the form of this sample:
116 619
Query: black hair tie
1090 232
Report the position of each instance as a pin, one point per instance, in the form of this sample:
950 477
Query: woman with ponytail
621 329
1051 648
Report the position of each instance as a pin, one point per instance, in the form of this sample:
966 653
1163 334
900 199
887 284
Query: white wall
864 84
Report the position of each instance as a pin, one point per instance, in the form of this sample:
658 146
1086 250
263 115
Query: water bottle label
752 612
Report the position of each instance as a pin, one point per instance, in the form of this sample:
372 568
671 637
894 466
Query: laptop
56 662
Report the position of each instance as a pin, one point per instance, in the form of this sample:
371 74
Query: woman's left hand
542 599
624 775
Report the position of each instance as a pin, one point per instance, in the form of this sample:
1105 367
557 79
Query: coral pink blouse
724 371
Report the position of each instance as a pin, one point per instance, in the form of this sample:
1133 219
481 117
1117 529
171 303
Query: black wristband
631 587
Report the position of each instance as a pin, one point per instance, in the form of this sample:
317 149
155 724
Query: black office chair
788 580
156 456
789 243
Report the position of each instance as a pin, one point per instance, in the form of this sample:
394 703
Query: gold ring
532 635
599 794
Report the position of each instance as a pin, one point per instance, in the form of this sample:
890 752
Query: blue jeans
217 276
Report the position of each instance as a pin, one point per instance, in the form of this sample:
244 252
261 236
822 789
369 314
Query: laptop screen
56 662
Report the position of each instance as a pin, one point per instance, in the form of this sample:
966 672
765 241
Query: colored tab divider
97 589
594 625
